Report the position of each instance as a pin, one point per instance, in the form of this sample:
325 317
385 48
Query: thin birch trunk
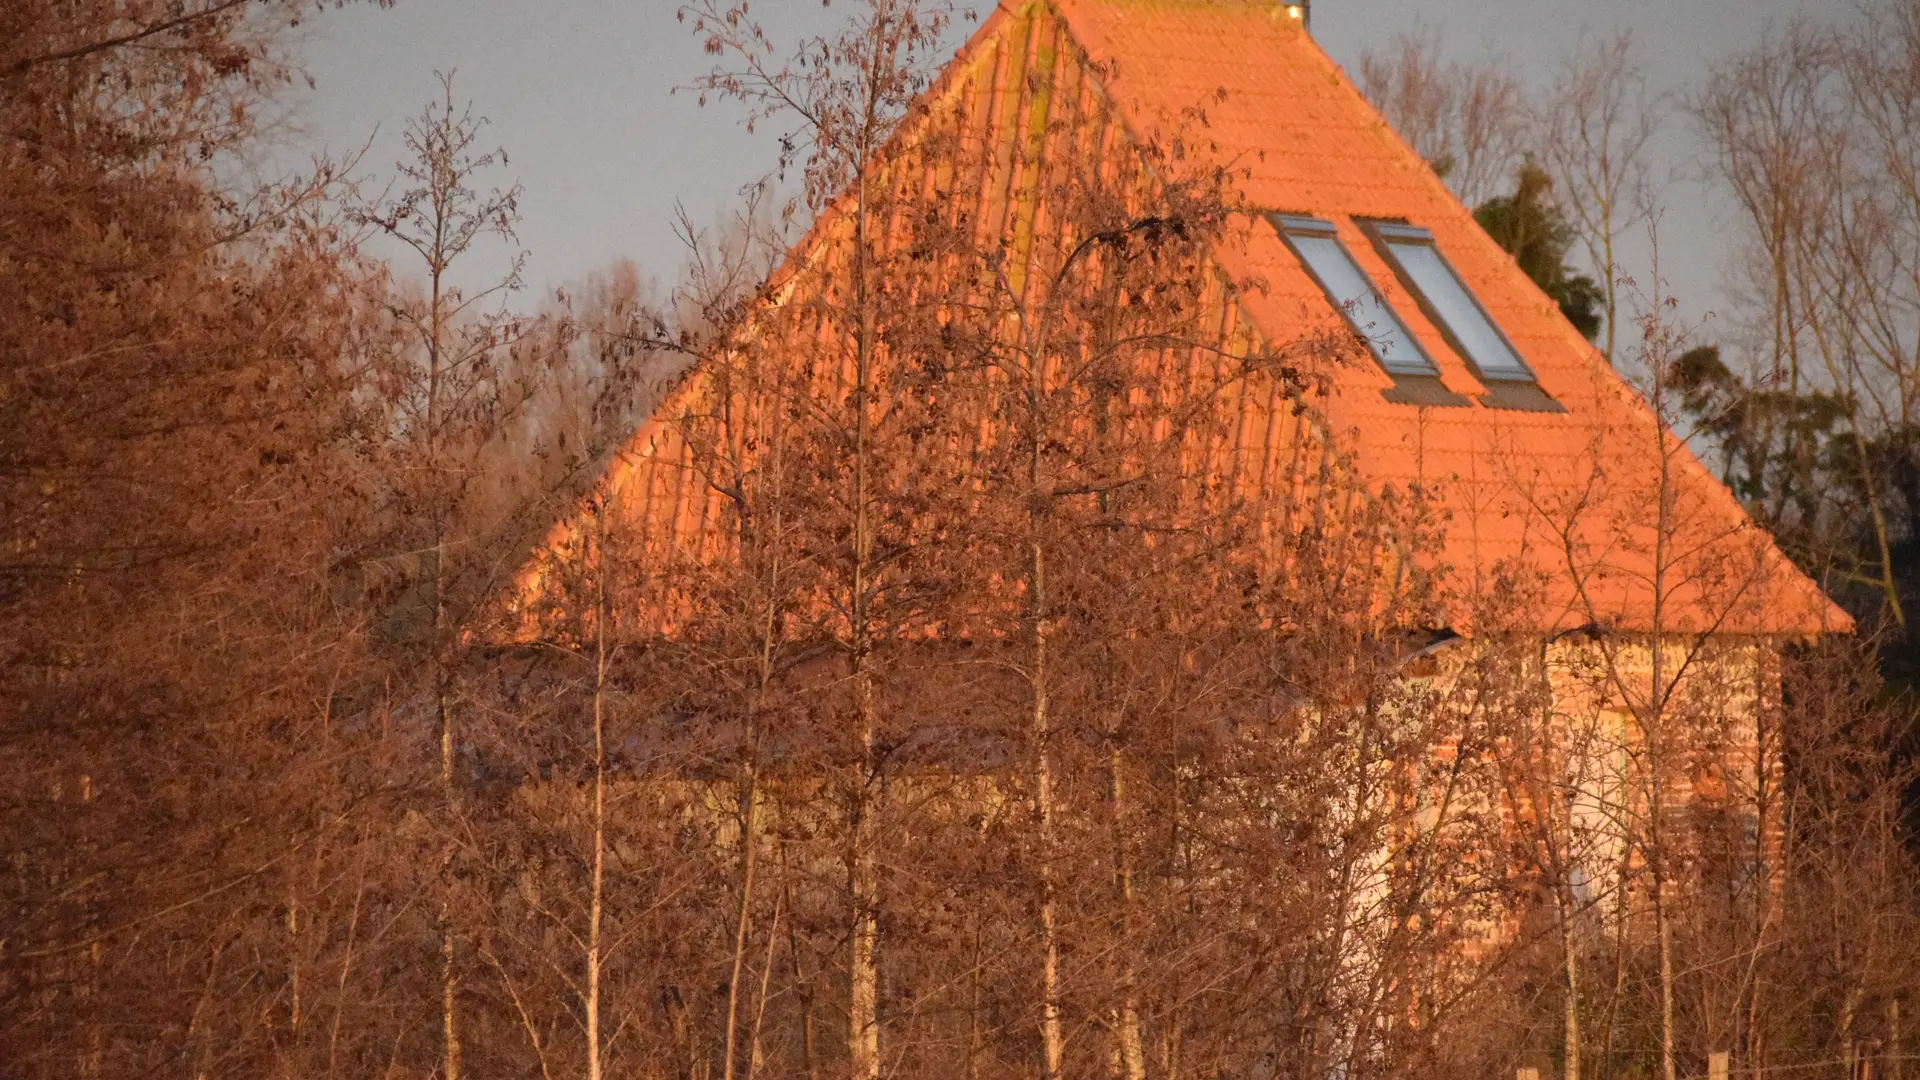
973 1009
863 976
749 773
1130 1054
766 981
749 755
1896 1048
1051 1042
1570 950
1621 939
1750 1042
1663 931
863 1029
346 961
449 976
742 916
1655 735
1038 613
1170 1040
449 985
1565 903
293 974
603 612
801 983
436 344
1609 275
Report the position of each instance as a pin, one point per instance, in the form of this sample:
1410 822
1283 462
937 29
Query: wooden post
1527 1072
1717 1065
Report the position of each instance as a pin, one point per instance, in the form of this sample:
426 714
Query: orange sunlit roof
1569 493
1573 494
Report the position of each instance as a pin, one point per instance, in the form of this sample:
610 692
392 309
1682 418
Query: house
1451 376
1479 391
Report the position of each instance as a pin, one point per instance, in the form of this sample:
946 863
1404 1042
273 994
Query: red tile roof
1572 499
1574 495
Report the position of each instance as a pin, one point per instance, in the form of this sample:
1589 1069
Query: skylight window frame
1290 226
1414 383
1504 389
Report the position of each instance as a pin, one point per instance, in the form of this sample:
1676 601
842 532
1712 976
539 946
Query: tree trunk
1129 1053
801 983
863 976
596 900
1569 947
743 915
1050 1035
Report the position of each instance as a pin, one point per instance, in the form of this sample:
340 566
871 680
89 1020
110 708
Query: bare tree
1808 133
1596 137
845 96
447 403
1467 119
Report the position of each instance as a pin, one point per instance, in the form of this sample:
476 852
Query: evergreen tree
1533 230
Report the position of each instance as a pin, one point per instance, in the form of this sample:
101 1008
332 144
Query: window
1454 311
1318 247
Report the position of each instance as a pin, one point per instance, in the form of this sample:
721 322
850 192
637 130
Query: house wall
1609 785
957 935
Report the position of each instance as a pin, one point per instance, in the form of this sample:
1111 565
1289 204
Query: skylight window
1444 298
1328 260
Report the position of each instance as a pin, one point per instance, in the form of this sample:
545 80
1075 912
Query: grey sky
578 91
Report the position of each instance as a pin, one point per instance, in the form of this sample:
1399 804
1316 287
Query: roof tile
1574 495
